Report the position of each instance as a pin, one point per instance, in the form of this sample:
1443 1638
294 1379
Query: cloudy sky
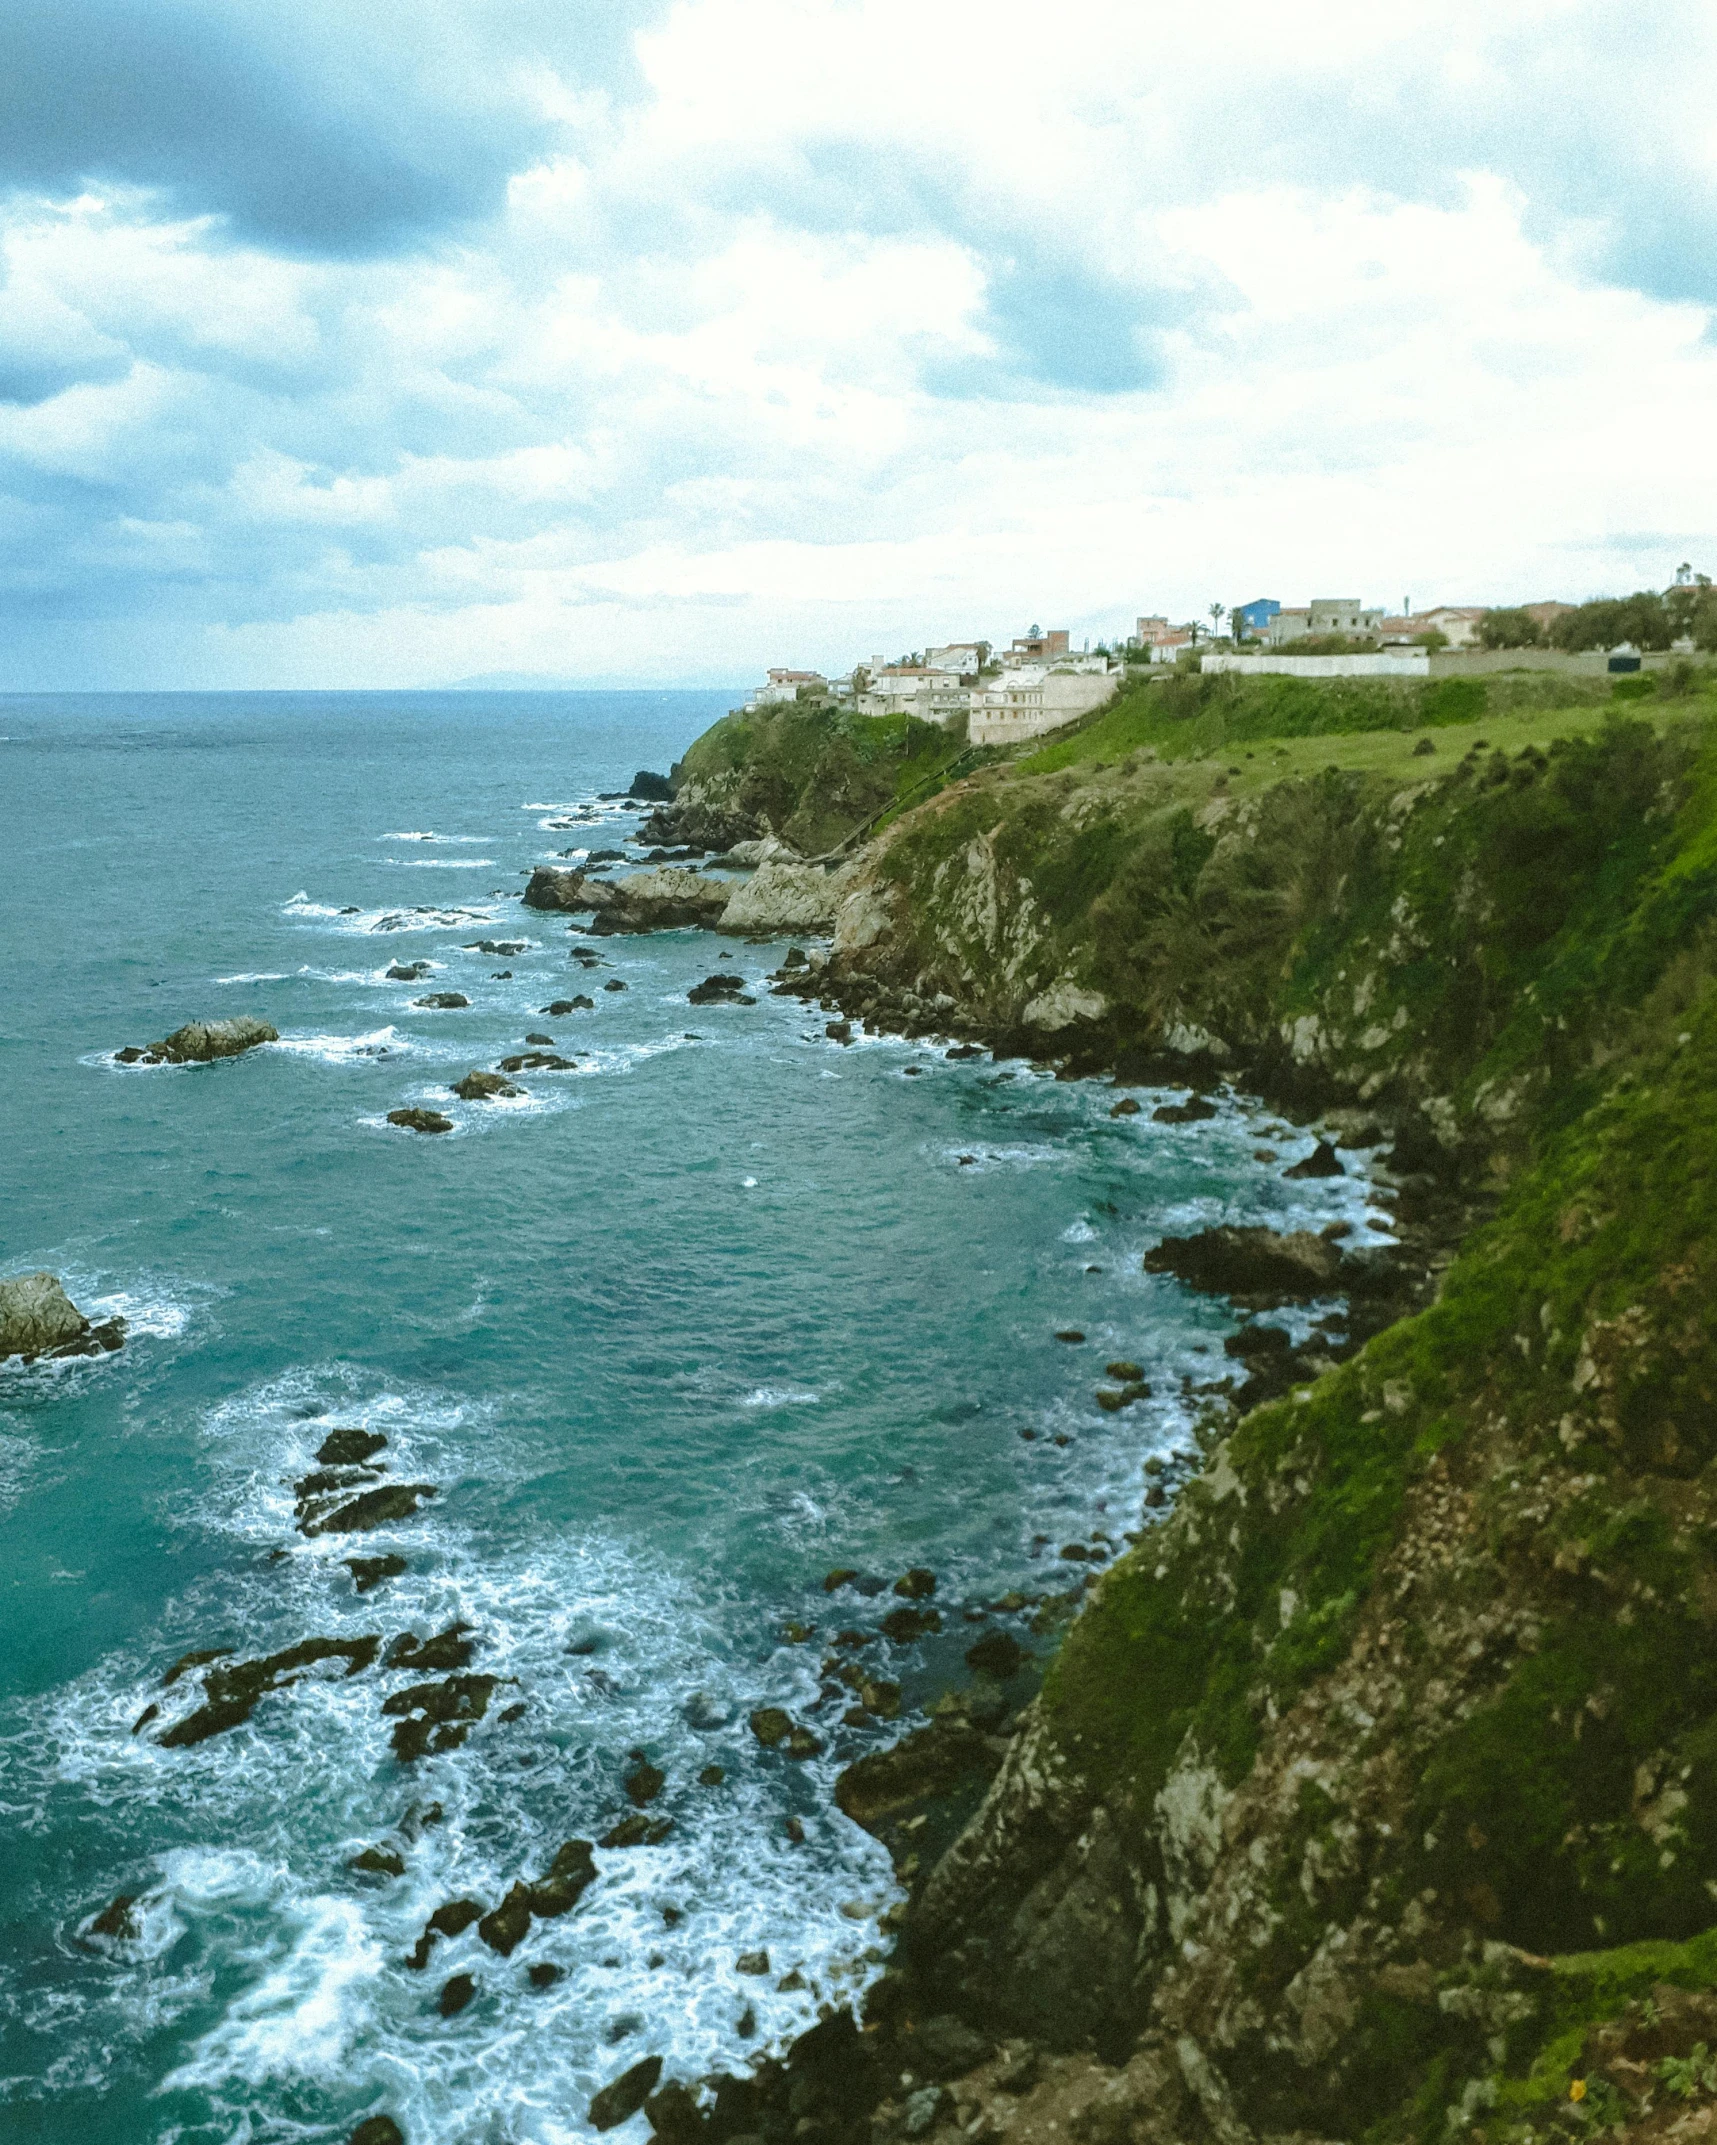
352 344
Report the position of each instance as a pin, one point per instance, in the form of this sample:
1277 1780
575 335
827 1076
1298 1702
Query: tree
1432 638
1641 619
1218 612
1508 628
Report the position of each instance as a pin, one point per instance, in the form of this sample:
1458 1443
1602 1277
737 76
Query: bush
1510 629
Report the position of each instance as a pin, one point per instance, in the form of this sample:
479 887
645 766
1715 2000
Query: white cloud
845 326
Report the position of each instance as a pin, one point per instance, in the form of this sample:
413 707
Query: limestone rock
38 1318
781 898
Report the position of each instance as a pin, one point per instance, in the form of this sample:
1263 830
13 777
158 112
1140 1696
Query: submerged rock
200 1042
998 1654
447 1649
916 1585
378 1862
537 1061
906 1626
645 1781
377 2130
116 1921
415 1120
38 1318
231 1693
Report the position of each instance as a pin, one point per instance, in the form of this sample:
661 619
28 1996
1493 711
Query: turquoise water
672 1335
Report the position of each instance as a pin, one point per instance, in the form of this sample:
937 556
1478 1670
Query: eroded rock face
1264 1265
780 899
567 891
200 1042
668 899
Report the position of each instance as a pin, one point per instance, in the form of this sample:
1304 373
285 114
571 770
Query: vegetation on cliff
1374 1792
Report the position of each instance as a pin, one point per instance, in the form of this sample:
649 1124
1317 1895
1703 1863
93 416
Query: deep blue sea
672 1334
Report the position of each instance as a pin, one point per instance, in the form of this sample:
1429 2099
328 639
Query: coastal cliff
1373 1790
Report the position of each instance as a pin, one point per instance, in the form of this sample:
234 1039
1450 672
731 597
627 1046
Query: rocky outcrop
648 788
568 892
1266 1267
779 900
200 1042
668 899
38 1318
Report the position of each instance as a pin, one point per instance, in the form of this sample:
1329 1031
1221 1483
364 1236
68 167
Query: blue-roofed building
1251 621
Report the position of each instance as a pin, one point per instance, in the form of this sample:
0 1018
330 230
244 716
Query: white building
1030 703
783 685
967 657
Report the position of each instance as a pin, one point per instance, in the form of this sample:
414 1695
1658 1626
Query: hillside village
1039 682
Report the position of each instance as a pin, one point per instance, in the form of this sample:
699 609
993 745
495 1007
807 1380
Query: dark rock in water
455 1995
501 949
510 1714
544 1974
415 1120
231 1693
964 1050
645 1781
447 1649
842 1575
803 1744
436 1716
200 1042
1127 1373
568 1877
1253 1341
199 1659
484 1087
703 1712
932 1761
409 971
1263 1265
149 1713
1193 1111
622 2097
1321 1162
718 990
378 1862
553 889
712 1776
674 2115
377 2130
771 1726
614 984
509 1924
116 1920
563 1005
1126 1107
374 1508
500 975
637 1831
349 1448
537 1061
38 1318
1070 1334
650 788
917 1585
751 1962
543 1041
905 1626
443 1001
796 958
839 1031
998 1654
450 1920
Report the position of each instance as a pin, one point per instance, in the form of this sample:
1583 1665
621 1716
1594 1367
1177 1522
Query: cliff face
1358 1776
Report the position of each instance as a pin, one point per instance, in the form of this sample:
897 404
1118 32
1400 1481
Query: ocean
670 1335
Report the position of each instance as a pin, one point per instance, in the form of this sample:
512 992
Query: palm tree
1218 612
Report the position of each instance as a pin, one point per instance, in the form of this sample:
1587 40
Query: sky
608 341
